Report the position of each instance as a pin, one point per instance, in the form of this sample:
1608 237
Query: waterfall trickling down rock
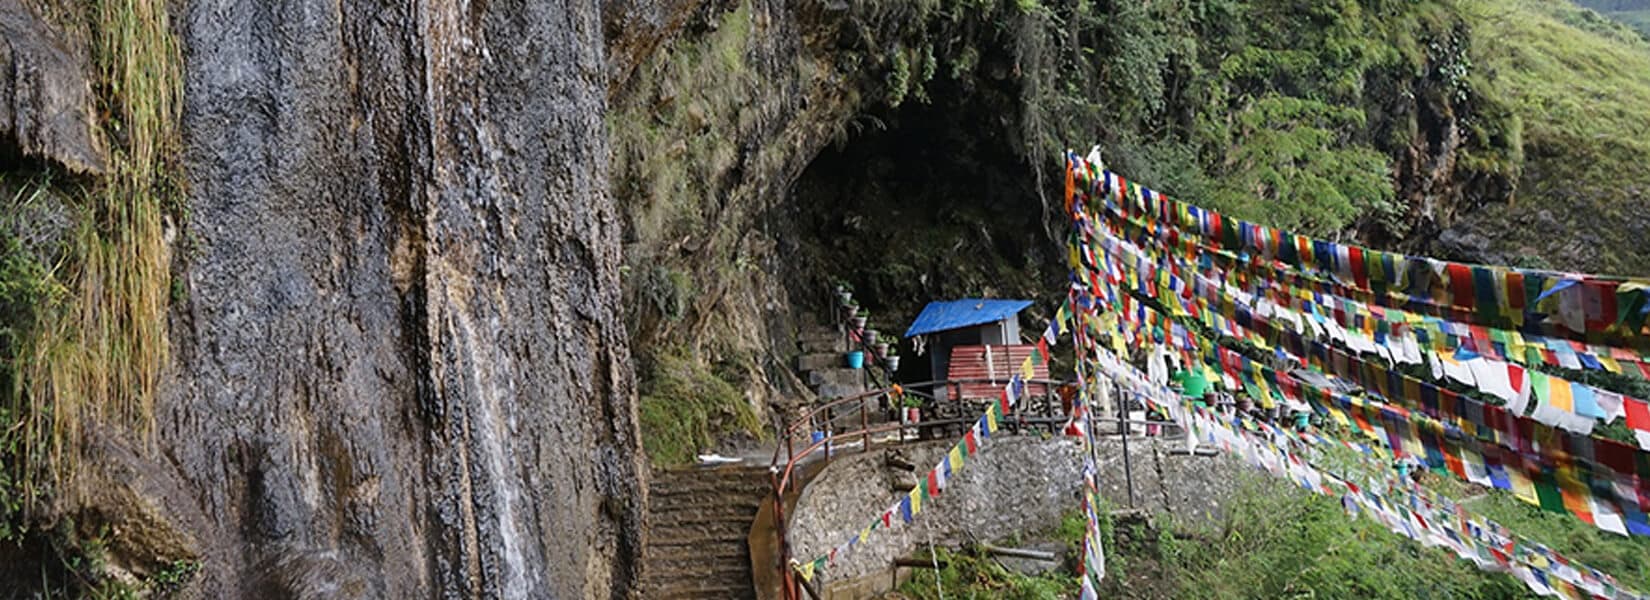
399 367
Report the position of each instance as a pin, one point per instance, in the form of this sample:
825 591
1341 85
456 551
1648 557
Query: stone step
727 573
721 503
839 377
691 587
711 491
722 552
733 571
702 480
716 594
839 391
822 341
666 521
819 361
703 536
699 523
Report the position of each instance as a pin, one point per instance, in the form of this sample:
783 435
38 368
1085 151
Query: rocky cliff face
401 370
398 364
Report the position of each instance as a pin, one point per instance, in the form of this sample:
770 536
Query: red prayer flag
1515 376
1360 273
1460 282
1638 413
1452 460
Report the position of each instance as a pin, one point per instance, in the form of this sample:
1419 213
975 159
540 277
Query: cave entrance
928 201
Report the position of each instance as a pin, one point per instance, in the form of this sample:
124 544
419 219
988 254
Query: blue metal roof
940 316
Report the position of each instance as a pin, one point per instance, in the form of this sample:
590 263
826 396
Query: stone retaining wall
1015 485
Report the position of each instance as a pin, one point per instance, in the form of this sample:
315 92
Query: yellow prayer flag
1523 489
1561 398
1340 417
916 499
956 459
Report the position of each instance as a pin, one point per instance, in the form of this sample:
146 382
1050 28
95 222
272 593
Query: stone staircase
699 523
824 368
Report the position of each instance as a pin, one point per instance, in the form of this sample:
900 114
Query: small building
973 339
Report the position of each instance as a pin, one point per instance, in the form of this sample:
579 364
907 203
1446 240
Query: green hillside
1580 86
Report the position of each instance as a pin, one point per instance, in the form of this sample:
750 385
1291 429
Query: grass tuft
94 351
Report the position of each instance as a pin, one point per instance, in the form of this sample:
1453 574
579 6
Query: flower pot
893 363
856 360
882 349
844 296
913 415
859 323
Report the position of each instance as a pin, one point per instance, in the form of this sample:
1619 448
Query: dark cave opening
930 201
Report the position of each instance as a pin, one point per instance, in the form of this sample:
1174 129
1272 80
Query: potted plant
869 339
850 308
859 319
844 293
912 414
881 344
892 358
856 359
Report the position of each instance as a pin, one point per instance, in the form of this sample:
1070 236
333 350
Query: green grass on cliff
1579 84
98 353
686 406
82 323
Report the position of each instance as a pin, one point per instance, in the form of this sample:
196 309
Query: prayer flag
1638 419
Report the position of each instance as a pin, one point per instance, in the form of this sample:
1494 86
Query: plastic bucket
856 359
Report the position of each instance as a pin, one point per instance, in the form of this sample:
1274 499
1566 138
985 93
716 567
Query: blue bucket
856 359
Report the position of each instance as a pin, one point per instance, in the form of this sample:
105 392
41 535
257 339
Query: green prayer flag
1532 356
1540 387
1547 491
